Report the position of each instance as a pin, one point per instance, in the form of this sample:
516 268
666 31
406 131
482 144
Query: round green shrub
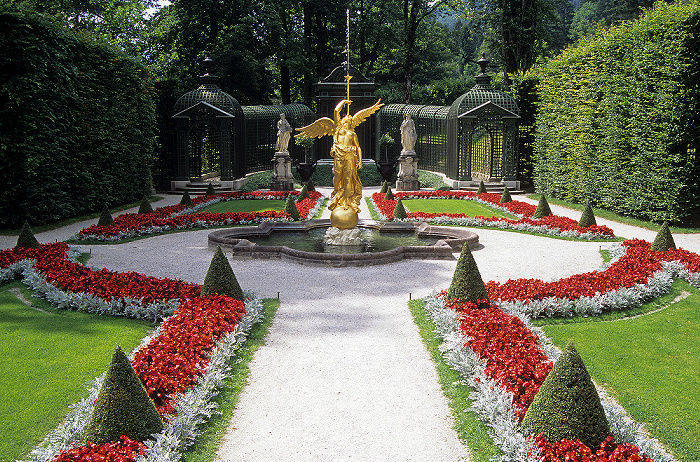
210 190
587 217
26 238
467 284
399 211
123 406
567 404
505 197
290 207
186 199
303 194
543 209
482 188
389 196
220 278
663 240
105 218
145 206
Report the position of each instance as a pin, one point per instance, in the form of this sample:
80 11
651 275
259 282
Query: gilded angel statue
346 152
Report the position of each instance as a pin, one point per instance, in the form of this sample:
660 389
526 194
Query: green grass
245 206
650 365
470 430
46 357
469 208
213 431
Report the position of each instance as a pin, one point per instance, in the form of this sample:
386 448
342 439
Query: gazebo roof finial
208 77
483 78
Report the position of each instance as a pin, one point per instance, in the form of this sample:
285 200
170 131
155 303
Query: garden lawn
245 205
45 358
470 208
650 365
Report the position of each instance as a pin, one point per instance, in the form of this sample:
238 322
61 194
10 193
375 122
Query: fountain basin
449 240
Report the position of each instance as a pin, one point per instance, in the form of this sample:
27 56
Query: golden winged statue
346 153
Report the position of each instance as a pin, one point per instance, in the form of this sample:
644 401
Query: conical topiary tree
389 196
482 187
663 240
399 211
145 206
123 406
186 199
105 218
210 190
505 197
26 238
291 208
467 284
567 405
220 278
303 194
543 209
587 217
385 187
310 185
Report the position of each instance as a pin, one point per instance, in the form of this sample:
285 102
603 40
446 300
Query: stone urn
305 170
386 169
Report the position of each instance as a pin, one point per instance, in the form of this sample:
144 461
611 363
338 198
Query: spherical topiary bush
26 238
385 187
303 194
123 406
105 218
290 207
186 199
663 240
220 278
505 197
567 405
399 211
310 185
467 284
389 196
587 217
482 187
210 190
543 209
145 206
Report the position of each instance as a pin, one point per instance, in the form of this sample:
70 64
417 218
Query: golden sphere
344 217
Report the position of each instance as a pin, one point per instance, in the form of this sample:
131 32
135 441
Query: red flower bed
576 451
124 450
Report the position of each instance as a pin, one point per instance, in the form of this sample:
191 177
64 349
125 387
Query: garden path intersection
343 374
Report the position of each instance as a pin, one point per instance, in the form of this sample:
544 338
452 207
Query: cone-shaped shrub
303 194
210 190
389 196
587 217
543 209
399 211
567 404
467 284
122 406
220 278
482 187
291 208
186 199
664 239
310 185
105 218
505 197
385 187
145 206
26 238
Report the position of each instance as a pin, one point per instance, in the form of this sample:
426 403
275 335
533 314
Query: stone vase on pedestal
407 178
282 172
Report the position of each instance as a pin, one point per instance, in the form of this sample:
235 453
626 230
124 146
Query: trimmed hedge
467 284
76 122
618 116
220 278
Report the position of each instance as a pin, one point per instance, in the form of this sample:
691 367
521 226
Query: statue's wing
321 127
362 114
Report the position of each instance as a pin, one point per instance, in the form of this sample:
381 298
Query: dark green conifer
505 197
664 239
26 238
587 217
145 206
482 187
220 278
291 208
399 211
210 190
123 406
385 187
303 194
467 284
567 404
543 209
389 196
310 185
186 199
105 218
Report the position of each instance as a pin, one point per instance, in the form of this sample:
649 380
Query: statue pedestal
407 178
345 237
282 172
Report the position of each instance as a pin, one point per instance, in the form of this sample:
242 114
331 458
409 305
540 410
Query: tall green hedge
76 122
618 116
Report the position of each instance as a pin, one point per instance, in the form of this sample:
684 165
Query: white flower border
193 407
500 224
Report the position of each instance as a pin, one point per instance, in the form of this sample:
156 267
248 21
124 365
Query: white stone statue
408 134
284 132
